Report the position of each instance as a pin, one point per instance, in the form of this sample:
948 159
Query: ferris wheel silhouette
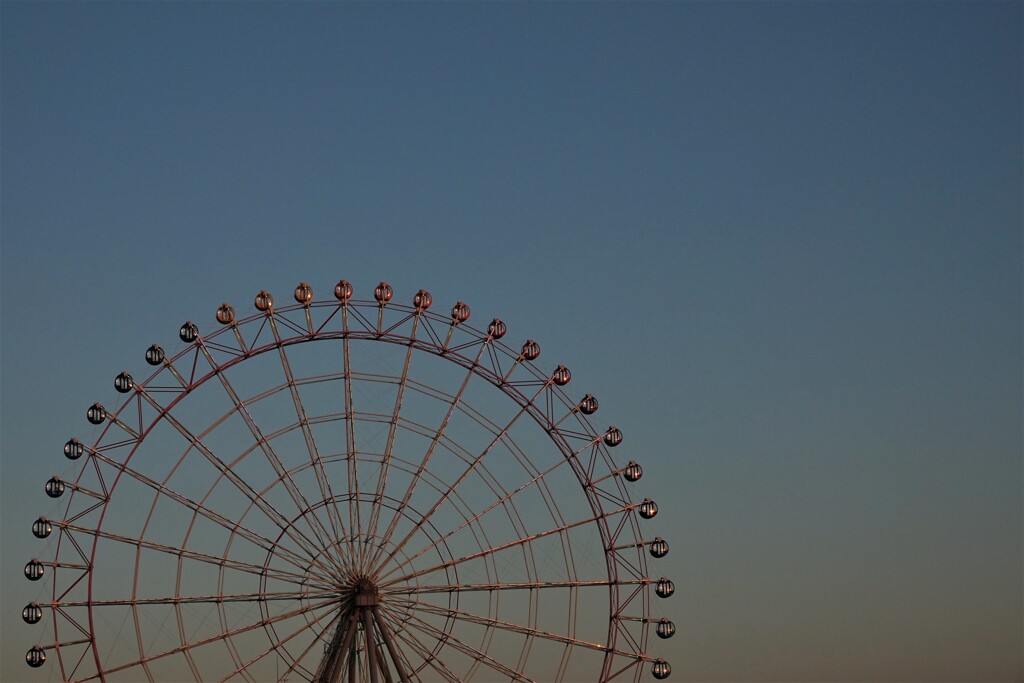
349 489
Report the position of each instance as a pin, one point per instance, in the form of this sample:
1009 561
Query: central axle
359 612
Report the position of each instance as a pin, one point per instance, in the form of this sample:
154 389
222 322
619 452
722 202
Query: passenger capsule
96 414
460 312
36 657
421 300
648 508
264 301
588 404
73 449
303 293
188 332
664 588
41 528
632 471
613 437
123 383
34 570
659 547
660 669
154 355
343 291
225 314
32 613
530 350
665 628
561 376
54 487
383 293
496 330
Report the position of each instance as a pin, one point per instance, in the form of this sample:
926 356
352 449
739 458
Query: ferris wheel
348 490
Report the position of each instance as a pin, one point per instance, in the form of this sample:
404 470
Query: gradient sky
782 242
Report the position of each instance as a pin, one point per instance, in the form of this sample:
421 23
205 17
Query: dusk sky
781 242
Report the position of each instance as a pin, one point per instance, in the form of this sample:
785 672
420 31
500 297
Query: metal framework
352 490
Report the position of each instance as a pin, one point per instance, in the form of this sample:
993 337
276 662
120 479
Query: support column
336 651
349 648
392 650
371 650
352 658
385 670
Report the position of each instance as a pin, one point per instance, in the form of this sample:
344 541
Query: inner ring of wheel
343 588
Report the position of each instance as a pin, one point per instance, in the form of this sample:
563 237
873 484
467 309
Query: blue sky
780 241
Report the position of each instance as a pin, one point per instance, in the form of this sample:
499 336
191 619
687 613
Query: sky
781 242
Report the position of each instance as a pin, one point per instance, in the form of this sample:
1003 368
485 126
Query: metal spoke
518 628
505 586
273 648
355 527
189 599
236 528
212 639
240 484
392 432
302 655
191 554
275 462
469 650
475 518
323 481
476 461
491 551
416 644
430 450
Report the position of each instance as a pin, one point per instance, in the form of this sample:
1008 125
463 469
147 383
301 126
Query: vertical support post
352 664
371 650
347 648
385 670
330 668
399 667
